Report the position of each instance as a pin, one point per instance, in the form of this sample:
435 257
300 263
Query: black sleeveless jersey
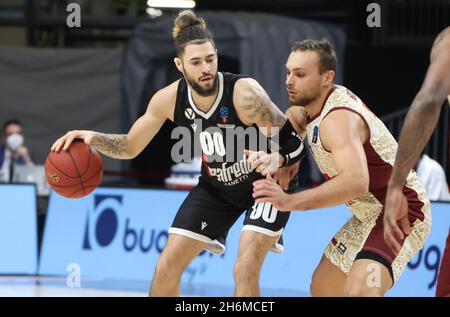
220 137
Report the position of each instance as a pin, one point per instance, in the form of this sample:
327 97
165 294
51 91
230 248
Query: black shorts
205 215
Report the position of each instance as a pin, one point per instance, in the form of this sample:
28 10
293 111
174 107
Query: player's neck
204 103
316 106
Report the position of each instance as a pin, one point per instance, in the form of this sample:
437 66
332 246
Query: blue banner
120 233
18 229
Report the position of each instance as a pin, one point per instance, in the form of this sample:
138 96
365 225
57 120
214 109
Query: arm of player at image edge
351 181
418 127
125 146
424 112
254 107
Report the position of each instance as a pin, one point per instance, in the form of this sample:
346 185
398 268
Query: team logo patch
341 248
189 113
315 134
224 113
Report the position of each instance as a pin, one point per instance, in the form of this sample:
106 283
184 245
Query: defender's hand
268 191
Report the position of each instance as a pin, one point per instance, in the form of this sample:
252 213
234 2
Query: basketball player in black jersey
209 103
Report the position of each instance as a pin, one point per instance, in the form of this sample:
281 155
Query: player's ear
328 78
178 64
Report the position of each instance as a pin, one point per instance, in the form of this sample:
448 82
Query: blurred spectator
12 150
432 176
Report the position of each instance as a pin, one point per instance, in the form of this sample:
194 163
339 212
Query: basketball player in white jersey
420 122
355 152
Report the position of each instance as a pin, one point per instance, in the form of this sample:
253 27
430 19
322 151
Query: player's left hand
396 222
268 191
264 163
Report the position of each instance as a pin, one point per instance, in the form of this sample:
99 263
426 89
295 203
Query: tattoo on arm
112 145
260 109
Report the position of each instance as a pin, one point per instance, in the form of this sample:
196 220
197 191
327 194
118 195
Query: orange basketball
76 172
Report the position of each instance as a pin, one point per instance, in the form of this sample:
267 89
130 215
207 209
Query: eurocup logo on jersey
224 113
315 134
102 222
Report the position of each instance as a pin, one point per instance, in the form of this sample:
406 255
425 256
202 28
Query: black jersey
219 133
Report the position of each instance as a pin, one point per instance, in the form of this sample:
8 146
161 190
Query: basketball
76 172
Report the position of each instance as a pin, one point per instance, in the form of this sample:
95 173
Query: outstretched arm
126 146
352 179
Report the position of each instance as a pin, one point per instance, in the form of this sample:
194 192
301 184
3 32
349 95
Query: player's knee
247 267
361 292
354 291
354 288
168 267
316 285
358 290
314 288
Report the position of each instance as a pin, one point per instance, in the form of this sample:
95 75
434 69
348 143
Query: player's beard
304 100
204 92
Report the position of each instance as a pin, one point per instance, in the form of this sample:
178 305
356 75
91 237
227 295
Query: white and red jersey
380 150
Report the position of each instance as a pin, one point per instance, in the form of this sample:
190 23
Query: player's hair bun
186 18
